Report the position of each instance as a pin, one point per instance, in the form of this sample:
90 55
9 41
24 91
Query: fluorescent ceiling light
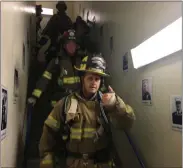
47 11
162 44
29 9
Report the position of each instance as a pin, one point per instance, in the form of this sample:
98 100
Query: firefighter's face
70 48
91 83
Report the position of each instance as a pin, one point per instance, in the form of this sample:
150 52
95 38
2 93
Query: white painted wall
130 23
15 21
44 21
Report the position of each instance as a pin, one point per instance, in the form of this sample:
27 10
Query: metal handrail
134 149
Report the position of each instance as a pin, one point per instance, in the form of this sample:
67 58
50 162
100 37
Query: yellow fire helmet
95 64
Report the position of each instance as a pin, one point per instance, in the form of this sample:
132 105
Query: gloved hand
47 162
32 100
46 165
109 99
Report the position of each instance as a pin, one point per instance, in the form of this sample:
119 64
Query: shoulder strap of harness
65 108
70 108
103 115
73 107
66 118
105 122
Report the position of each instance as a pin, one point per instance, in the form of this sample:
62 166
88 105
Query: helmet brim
92 71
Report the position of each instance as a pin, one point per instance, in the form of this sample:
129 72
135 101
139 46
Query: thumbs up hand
109 99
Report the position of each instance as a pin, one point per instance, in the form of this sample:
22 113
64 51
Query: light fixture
162 44
29 9
47 11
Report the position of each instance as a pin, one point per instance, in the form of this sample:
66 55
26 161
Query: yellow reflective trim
53 103
37 92
75 137
110 163
82 66
53 123
95 70
77 133
77 79
47 161
81 136
64 137
47 75
85 59
73 130
89 129
129 109
71 80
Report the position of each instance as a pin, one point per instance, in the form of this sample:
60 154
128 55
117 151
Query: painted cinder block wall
17 18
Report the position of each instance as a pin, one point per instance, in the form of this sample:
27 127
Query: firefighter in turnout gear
83 119
56 26
83 37
60 71
39 18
